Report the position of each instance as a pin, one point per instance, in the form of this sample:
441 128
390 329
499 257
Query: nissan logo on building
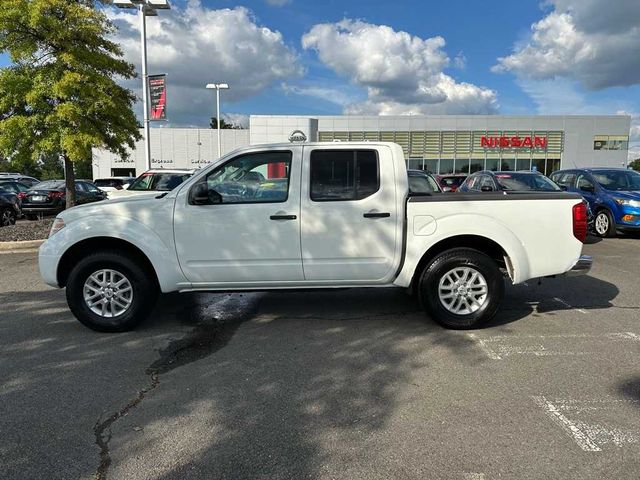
297 136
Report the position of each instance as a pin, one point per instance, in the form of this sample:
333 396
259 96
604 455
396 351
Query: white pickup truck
310 215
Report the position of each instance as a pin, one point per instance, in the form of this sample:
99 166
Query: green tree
59 96
635 164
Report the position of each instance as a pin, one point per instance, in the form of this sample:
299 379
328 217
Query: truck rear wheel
110 291
461 288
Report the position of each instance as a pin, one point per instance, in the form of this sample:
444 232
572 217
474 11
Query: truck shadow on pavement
256 385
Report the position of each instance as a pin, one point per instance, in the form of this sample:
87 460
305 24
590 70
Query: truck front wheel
461 288
110 291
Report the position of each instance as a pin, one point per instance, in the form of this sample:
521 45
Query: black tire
143 283
440 268
604 215
7 217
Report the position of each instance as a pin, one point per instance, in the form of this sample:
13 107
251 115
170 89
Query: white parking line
490 353
497 347
581 438
600 421
474 476
568 305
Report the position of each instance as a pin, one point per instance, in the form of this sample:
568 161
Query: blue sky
332 57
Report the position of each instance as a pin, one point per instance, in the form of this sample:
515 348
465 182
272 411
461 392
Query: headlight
58 224
627 202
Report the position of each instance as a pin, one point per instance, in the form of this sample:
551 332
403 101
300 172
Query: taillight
56 194
580 221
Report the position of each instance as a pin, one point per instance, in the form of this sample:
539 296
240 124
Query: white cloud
337 95
400 72
238 119
592 41
196 45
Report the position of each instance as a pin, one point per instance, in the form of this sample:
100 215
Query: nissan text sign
513 142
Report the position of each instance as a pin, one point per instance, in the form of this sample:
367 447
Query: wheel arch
476 242
93 244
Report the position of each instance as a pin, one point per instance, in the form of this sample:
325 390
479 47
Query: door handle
283 217
376 215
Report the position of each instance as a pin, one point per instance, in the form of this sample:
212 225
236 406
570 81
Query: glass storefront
447 152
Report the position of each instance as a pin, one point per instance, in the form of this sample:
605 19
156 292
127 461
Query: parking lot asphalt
343 385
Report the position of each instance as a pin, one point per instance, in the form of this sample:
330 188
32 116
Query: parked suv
612 193
154 181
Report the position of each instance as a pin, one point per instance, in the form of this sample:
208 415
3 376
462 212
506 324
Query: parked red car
450 183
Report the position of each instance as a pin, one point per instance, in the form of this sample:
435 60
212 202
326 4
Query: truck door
350 219
246 228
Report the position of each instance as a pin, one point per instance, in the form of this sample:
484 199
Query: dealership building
436 143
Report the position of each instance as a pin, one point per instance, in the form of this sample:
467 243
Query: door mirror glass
201 194
587 188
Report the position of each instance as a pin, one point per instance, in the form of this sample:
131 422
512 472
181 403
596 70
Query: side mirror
563 188
587 188
486 188
200 194
447 189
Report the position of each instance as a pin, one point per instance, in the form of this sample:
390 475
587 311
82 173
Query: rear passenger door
350 223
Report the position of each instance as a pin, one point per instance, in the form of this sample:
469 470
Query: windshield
452 181
617 179
108 182
526 181
162 182
49 185
422 184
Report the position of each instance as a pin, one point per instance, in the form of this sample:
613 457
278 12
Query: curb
28 246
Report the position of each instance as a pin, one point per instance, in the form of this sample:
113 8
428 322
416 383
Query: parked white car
317 215
153 182
113 184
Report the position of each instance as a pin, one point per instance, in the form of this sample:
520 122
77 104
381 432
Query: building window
523 164
508 164
446 165
431 165
415 164
493 164
340 175
462 165
477 164
611 142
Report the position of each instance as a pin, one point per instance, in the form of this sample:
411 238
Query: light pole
146 8
218 87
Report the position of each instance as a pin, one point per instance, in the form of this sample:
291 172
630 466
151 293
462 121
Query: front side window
253 178
342 175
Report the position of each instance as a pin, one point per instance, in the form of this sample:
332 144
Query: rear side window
342 175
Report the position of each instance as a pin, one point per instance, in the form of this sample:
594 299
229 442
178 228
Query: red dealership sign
158 97
513 142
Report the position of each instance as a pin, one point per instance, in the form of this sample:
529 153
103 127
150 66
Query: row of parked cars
612 195
24 196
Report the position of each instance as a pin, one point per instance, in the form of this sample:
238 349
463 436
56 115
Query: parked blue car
612 193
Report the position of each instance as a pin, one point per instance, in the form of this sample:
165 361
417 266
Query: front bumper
582 266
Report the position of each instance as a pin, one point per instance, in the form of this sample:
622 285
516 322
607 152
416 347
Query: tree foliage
223 124
635 164
59 95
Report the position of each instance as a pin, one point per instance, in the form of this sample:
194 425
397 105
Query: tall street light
146 8
218 87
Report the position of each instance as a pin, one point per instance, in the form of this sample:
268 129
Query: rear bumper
582 266
32 209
